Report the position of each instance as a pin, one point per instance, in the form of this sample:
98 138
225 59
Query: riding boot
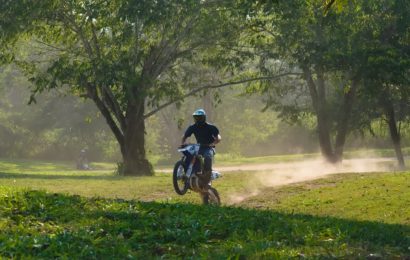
207 170
207 176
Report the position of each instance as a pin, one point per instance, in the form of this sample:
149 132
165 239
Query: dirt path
277 174
272 175
348 165
314 165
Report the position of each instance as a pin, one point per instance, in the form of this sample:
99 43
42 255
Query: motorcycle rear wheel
211 197
179 178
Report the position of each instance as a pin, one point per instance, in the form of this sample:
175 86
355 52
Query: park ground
273 207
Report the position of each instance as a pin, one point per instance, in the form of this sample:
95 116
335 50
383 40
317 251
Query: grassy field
49 210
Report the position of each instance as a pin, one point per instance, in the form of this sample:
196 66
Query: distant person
82 161
207 135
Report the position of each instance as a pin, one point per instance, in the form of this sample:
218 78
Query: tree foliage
334 51
133 58
124 55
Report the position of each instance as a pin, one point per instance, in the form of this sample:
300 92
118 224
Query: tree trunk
343 123
394 133
130 136
324 137
207 102
317 94
135 162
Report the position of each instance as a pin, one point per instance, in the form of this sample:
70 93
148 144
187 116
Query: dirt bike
188 174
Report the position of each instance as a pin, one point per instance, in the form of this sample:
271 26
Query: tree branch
167 51
50 46
109 98
329 5
312 87
114 106
196 90
70 23
95 40
92 93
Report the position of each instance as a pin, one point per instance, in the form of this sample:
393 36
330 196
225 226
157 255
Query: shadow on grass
54 225
79 176
22 165
31 165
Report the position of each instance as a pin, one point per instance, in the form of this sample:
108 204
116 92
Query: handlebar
201 145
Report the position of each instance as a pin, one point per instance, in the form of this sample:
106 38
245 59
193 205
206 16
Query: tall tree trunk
394 133
130 134
207 102
135 162
317 93
343 123
389 108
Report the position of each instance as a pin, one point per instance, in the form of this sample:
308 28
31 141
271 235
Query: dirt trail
314 165
348 165
277 174
271 175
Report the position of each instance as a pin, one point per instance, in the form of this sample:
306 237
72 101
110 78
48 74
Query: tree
330 49
386 80
124 55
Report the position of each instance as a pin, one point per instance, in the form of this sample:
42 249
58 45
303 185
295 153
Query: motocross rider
207 135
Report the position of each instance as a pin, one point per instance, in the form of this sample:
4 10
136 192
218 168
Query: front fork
190 167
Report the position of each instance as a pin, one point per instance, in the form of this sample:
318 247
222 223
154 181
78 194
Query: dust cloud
271 175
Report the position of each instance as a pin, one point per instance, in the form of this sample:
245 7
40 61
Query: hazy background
59 125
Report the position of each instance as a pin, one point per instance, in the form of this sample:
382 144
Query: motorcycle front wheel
179 178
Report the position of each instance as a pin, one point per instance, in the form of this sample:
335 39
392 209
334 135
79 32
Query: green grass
101 182
46 225
32 166
53 211
382 197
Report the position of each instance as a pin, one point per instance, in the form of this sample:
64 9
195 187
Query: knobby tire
212 199
177 182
